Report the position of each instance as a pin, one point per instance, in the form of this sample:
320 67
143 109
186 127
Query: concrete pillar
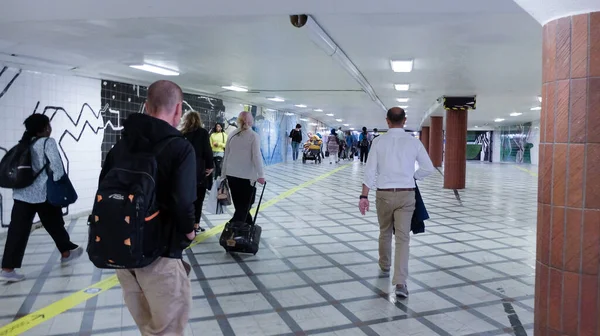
425 137
568 227
436 141
455 158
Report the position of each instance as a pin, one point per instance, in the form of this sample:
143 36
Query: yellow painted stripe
532 173
29 321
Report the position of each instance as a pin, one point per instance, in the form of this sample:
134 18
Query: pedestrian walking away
391 171
31 199
296 136
155 283
199 138
333 147
363 145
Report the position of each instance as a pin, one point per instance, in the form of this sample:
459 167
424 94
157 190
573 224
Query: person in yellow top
218 139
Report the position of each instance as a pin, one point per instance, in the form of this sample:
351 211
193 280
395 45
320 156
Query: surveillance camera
440 100
298 21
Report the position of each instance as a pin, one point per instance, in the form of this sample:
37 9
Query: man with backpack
143 217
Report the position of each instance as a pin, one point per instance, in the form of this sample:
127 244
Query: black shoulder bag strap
47 165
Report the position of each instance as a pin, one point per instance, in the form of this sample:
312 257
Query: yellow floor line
532 173
44 314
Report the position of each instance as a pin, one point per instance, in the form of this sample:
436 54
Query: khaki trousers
395 210
158 297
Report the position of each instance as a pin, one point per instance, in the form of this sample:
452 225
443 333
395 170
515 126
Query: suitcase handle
259 202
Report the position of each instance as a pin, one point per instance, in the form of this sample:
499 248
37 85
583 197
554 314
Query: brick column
455 158
436 141
568 227
425 137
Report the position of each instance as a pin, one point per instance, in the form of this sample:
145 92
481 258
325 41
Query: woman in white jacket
242 166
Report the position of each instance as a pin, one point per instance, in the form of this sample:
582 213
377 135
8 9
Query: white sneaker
402 291
11 276
74 255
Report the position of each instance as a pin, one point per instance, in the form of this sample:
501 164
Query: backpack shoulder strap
161 145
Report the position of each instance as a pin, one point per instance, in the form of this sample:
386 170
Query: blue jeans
295 149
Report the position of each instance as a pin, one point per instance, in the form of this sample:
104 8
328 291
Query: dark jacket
296 135
420 214
204 155
176 180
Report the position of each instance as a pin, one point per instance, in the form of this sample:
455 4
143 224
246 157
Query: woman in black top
296 136
192 129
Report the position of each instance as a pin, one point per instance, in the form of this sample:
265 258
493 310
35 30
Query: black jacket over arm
176 180
200 140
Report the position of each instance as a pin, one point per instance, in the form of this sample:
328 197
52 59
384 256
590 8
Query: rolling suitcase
241 237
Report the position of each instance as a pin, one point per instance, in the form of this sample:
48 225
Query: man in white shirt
391 169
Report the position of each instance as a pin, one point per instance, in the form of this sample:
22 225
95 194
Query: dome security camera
298 21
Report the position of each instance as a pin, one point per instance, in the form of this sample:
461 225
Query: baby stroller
312 150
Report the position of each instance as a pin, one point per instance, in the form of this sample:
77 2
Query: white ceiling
461 47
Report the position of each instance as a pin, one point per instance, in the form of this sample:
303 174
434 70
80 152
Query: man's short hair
396 115
164 94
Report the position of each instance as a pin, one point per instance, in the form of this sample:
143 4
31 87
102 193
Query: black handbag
59 193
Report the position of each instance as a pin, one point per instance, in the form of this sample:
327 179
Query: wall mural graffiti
516 143
120 100
45 90
2 149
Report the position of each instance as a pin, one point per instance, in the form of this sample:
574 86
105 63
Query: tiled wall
73 104
568 227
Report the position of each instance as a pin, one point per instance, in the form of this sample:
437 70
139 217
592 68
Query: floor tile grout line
37 287
434 289
216 308
87 322
473 246
359 279
465 259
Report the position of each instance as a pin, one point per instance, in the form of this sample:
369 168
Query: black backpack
125 229
16 171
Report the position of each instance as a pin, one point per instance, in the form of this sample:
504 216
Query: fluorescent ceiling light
300 105
402 100
289 114
313 124
537 108
402 87
339 120
276 99
476 126
404 107
346 125
155 69
270 110
402 66
352 128
515 114
303 119
540 99
318 110
330 114
499 120
235 88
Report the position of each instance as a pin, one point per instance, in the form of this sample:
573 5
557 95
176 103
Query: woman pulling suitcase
242 166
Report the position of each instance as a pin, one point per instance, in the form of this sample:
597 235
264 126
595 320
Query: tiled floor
472 273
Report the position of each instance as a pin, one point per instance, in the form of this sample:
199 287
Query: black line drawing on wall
125 99
10 83
4 150
74 128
